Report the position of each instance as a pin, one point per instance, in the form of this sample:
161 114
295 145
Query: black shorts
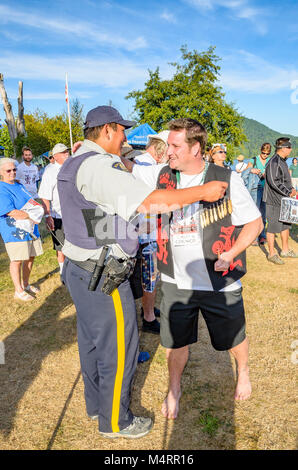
274 224
223 313
58 235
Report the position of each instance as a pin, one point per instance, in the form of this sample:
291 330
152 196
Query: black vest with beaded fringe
217 235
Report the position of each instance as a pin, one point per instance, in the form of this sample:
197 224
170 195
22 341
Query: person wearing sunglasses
218 154
21 246
278 185
257 166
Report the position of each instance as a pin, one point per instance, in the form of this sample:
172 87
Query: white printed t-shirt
28 175
190 269
145 159
48 189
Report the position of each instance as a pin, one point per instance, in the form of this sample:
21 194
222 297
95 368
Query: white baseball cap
163 135
59 148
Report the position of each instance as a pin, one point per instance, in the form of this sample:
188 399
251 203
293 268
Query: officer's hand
214 190
293 193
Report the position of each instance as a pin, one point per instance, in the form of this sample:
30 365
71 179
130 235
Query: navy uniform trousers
108 346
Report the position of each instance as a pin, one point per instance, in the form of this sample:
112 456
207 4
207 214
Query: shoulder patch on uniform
119 166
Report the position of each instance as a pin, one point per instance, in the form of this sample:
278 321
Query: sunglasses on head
222 146
9 171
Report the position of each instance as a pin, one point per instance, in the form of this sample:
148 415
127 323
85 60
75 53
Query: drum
289 210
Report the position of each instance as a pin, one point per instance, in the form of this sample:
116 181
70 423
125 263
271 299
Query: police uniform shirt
104 180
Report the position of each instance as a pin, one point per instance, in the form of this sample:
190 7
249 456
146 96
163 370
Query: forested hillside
257 134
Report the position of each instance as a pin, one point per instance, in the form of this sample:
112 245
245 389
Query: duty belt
88 265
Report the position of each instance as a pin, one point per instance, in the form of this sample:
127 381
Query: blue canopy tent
42 159
138 137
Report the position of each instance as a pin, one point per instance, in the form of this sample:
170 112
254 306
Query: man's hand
293 193
127 163
76 146
224 261
214 190
50 223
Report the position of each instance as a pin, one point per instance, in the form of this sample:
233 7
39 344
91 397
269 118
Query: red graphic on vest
226 244
162 240
165 179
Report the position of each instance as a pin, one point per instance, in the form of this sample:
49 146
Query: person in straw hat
241 165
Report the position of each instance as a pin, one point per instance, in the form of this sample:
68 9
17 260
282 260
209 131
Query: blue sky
107 47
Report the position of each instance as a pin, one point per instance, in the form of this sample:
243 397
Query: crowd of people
107 205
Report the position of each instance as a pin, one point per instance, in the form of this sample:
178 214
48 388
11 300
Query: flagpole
69 120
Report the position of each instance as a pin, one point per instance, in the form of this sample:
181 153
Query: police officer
99 200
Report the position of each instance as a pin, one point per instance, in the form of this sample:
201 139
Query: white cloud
114 72
88 32
169 17
248 72
48 96
239 8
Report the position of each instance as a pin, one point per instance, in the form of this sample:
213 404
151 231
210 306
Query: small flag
66 92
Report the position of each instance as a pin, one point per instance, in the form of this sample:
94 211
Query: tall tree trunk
10 121
20 122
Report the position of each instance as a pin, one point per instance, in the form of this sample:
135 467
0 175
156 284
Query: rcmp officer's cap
105 115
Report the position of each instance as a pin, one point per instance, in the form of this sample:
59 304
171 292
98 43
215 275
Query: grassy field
42 404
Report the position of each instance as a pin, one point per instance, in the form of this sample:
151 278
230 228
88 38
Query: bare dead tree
15 127
20 122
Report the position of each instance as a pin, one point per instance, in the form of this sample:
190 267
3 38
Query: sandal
24 296
275 259
32 289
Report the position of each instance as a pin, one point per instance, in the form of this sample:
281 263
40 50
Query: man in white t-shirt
194 279
27 173
48 192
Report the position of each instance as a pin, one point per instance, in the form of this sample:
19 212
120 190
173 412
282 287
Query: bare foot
170 406
243 388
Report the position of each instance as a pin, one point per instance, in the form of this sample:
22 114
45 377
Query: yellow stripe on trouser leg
120 360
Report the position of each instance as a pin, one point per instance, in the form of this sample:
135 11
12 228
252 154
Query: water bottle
149 267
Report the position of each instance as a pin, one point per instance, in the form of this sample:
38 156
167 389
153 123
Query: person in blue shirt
21 245
258 165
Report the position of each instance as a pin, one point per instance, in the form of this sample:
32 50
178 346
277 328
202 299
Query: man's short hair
25 149
283 142
194 131
92 133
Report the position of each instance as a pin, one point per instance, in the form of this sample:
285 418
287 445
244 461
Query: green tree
43 131
192 92
6 142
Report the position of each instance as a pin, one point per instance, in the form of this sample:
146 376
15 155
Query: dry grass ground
42 404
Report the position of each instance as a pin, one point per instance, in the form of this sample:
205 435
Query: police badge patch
119 166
